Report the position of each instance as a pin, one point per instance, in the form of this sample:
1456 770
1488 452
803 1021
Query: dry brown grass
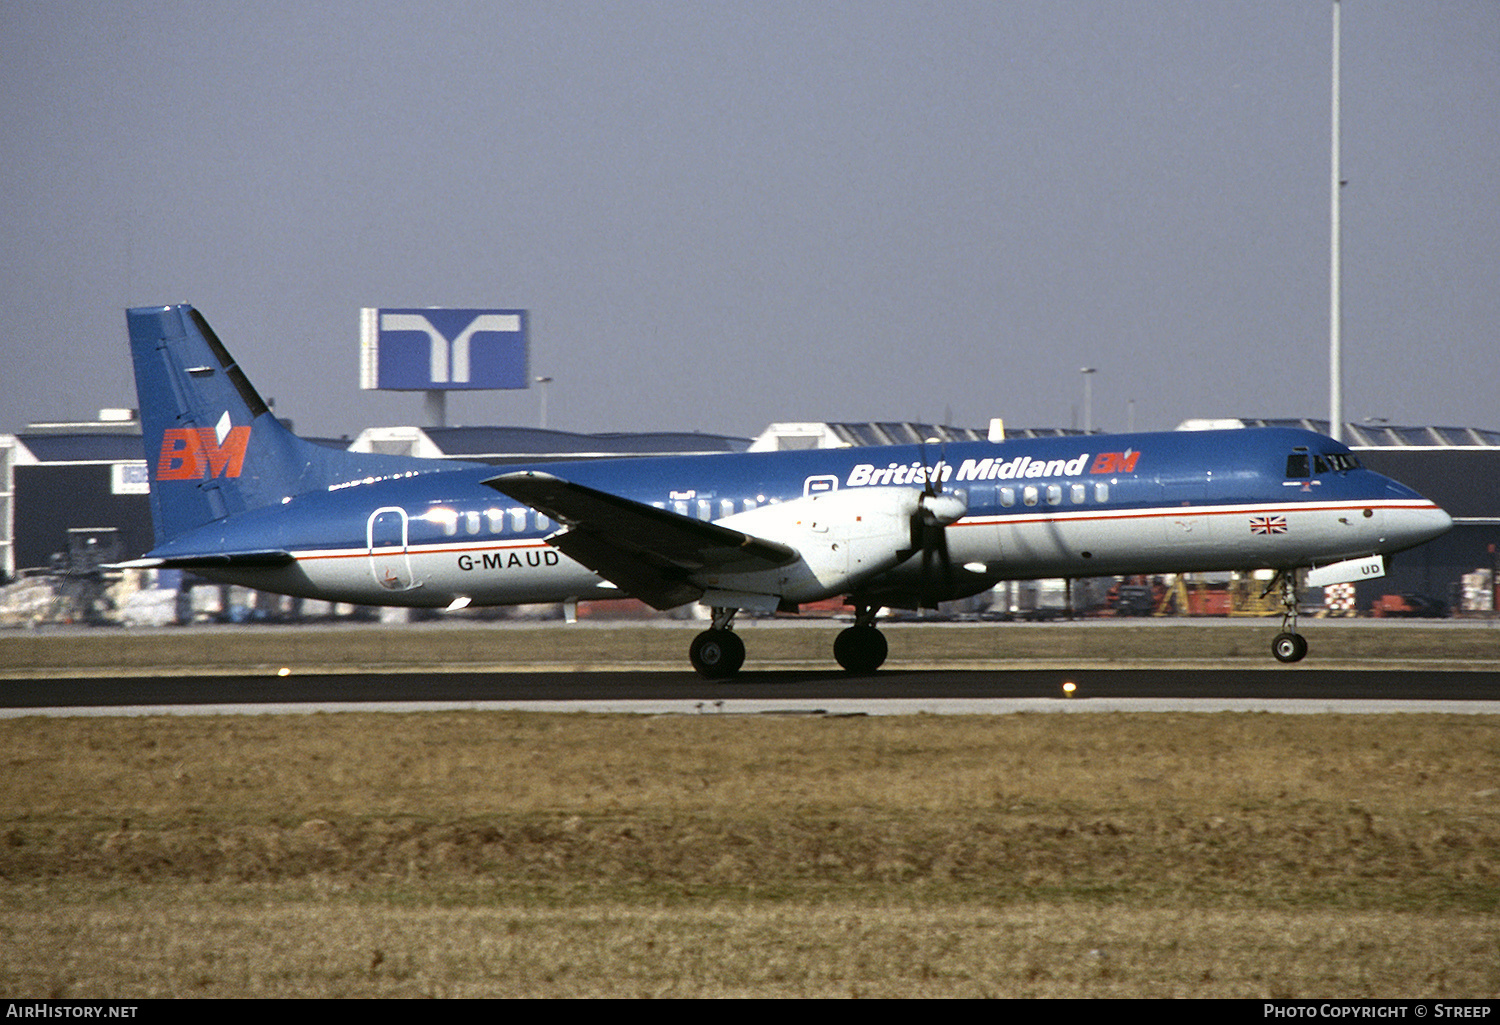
458 646
320 939
526 854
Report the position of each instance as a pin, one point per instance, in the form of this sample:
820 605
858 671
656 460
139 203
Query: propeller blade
935 511
928 473
929 532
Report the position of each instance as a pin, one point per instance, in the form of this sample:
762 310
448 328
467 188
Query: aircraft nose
1434 523
1409 526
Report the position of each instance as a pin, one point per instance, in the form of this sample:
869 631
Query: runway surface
790 691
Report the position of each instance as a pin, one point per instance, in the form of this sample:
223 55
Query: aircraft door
1186 523
389 560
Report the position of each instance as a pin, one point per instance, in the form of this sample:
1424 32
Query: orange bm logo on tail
195 453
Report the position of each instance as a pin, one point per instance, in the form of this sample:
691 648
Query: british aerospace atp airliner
237 498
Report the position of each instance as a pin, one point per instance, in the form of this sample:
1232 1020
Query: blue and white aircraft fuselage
237 498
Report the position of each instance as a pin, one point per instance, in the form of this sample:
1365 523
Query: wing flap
647 552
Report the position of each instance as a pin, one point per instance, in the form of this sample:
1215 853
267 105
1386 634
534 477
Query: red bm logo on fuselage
195 453
1115 462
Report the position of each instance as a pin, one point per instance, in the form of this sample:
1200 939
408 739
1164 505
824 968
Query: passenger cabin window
445 518
1052 494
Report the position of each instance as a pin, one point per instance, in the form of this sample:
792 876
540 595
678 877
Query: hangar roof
489 443
779 437
472 441
1371 435
521 444
887 432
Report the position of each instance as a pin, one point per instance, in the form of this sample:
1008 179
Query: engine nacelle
843 538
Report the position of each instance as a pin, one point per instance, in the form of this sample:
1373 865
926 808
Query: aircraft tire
860 649
1289 647
717 654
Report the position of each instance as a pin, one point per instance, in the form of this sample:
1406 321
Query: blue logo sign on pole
428 349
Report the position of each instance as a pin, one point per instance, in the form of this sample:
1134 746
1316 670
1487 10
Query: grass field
514 854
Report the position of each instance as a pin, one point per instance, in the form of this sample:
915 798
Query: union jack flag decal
1268 524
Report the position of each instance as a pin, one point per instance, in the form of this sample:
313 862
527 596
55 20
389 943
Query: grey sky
723 214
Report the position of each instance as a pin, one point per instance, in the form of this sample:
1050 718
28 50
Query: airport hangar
75 494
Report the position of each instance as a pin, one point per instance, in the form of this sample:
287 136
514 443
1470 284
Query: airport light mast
543 382
1088 398
1335 269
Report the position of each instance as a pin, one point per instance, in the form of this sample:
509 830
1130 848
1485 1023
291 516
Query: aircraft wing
647 552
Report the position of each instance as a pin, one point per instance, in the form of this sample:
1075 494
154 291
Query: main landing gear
718 653
861 648
1289 645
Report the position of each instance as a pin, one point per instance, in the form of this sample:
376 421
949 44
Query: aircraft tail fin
213 447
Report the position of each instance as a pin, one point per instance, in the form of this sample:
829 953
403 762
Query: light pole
1088 398
544 381
1335 267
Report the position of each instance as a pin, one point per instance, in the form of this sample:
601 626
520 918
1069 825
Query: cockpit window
1302 464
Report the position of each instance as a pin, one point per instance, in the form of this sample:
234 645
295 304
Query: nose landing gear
1288 645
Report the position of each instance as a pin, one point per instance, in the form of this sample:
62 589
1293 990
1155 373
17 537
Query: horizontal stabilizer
216 560
648 552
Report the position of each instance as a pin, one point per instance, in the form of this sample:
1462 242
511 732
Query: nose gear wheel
1287 646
